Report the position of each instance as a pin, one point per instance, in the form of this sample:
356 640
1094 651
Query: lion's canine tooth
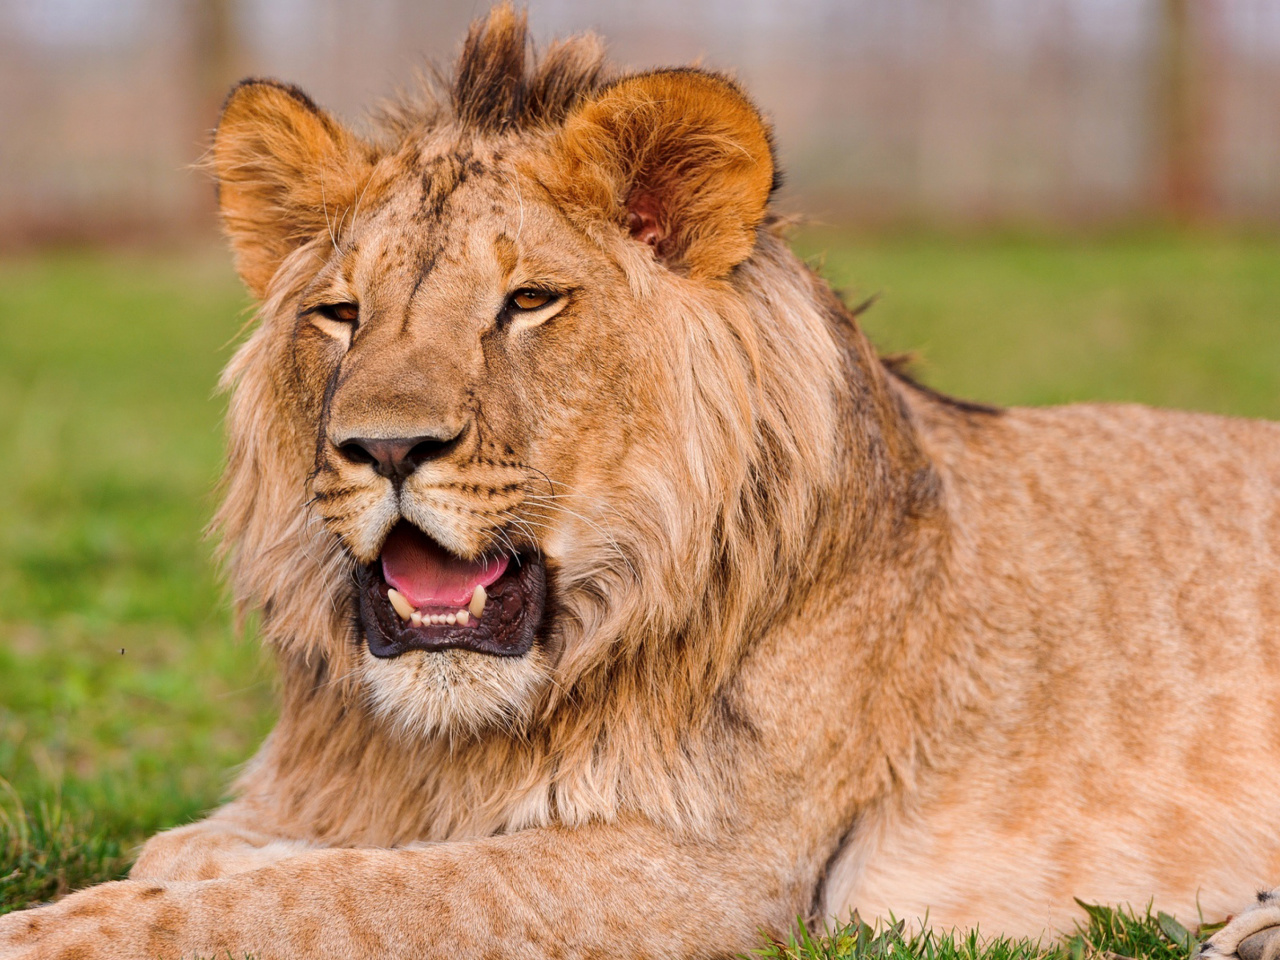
476 606
402 606
415 618
463 617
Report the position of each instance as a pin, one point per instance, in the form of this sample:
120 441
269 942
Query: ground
126 695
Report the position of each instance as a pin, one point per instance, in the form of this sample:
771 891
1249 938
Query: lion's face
486 349
473 364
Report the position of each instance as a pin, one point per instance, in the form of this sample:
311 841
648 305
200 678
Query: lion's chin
454 692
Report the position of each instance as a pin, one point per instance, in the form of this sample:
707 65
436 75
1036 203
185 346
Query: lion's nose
396 457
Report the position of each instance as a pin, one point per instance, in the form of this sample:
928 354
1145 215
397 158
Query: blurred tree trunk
1185 109
214 43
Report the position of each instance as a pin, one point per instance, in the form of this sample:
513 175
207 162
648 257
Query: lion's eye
341 312
531 299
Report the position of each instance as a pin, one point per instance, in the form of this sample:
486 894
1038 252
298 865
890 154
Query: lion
628 604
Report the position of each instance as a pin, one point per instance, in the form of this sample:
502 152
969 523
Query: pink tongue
430 576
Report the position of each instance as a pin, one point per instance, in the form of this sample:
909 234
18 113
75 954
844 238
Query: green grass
1108 933
125 698
110 444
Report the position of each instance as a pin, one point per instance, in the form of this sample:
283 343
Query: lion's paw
124 920
1254 934
41 931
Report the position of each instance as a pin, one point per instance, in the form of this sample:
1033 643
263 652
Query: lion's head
537 400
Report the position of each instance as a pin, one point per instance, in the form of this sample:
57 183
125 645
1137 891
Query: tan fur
819 638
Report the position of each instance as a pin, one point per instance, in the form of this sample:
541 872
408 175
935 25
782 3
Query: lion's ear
286 170
680 158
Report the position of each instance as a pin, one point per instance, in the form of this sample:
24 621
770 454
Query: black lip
508 627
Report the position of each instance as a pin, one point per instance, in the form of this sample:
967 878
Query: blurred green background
126 697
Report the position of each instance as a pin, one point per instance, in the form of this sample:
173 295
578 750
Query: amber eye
342 312
531 299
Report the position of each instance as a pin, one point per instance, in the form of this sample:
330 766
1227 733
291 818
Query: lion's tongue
430 576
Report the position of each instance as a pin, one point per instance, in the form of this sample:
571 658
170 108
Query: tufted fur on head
499 85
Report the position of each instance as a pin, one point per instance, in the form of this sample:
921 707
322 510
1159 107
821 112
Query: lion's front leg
1254 934
218 847
599 891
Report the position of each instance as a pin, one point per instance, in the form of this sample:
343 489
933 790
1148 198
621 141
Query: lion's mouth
418 596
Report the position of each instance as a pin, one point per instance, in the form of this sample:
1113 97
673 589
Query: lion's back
1155 531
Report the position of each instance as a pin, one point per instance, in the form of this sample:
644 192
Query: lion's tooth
415 618
450 618
402 606
477 602
463 617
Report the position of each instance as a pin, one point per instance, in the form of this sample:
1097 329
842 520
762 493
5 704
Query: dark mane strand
568 72
898 365
489 83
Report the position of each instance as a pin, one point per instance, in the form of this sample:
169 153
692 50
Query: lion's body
1117 571
781 632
